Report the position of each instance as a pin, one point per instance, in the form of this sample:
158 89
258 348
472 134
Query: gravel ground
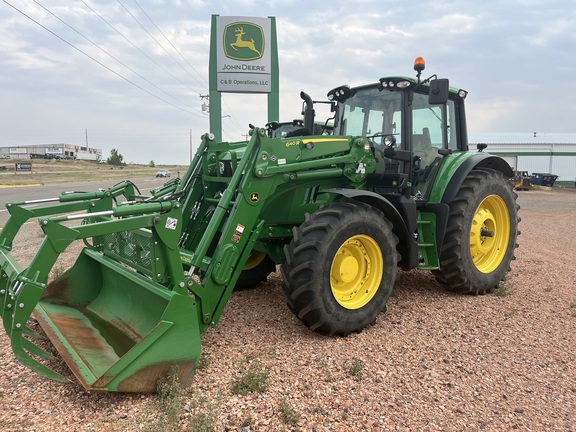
435 361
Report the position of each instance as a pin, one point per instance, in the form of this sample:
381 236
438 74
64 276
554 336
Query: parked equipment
521 180
543 179
395 186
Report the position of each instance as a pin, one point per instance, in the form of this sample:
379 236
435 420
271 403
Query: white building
51 151
551 153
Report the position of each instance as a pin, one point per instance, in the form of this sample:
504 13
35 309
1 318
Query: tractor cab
411 125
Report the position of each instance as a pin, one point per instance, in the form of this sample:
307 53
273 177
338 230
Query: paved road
20 194
533 200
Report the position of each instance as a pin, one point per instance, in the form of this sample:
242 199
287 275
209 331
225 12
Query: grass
15 425
57 271
511 313
248 421
324 366
504 289
202 422
166 415
204 362
288 415
253 379
169 409
53 171
356 367
573 306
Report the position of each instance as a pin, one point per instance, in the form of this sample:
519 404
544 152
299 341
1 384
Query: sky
128 74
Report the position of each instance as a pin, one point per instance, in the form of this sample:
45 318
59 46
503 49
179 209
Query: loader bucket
118 330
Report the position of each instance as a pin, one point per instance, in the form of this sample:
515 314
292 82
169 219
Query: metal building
552 153
51 151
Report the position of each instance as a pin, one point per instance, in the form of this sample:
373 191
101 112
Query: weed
169 401
57 272
203 414
503 290
202 422
511 313
204 362
548 289
355 367
170 396
252 380
15 425
248 421
288 415
325 367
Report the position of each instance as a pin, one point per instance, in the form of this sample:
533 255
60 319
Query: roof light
462 93
419 64
403 84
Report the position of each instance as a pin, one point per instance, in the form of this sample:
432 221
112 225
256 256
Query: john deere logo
243 41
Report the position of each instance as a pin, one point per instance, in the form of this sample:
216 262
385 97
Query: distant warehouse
51 151
551 153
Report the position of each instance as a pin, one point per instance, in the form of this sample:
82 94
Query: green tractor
394 187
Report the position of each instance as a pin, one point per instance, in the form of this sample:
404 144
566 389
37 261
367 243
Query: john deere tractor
394 187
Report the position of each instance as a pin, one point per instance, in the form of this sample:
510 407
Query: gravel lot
435 361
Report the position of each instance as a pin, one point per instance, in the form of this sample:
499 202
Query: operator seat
422 146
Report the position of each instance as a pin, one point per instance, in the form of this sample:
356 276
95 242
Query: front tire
256 270
340 268
481 234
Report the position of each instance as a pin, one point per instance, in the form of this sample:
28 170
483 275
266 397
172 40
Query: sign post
243 59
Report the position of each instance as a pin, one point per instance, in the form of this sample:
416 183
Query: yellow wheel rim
490 234
254 260
356 272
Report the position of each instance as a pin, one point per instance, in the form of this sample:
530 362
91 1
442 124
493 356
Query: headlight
389 140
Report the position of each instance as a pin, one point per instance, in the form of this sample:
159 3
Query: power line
154 39
97 61
106 52
136 47
171 44
176 49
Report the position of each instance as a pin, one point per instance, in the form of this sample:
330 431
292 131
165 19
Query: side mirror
438 91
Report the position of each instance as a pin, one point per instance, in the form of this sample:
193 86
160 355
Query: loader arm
156 271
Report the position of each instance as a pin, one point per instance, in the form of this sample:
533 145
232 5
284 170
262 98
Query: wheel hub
347 266
356 271
489 234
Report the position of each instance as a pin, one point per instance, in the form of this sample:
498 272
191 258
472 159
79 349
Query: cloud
514 58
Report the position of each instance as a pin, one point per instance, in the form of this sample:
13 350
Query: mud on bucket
118 330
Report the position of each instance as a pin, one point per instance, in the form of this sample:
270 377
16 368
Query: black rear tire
481 234
341 266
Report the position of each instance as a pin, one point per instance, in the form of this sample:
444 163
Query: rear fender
407 245
449 181
476 160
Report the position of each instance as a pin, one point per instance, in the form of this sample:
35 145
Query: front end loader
394 186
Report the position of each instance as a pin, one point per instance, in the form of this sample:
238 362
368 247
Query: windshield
369 112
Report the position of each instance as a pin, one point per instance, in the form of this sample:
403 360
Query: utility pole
190 144
86 137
